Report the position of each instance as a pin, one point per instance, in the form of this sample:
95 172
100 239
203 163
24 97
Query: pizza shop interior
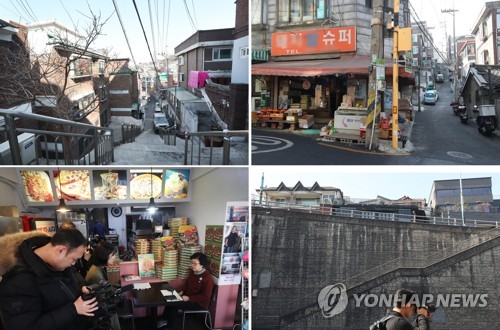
156 219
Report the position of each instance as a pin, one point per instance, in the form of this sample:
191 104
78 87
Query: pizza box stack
174 224
142 246
188 235
157 249
168 269
168 243
185 263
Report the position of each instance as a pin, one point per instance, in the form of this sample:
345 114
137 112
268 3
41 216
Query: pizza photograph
176 183
142 185
73 185
110 185
37 186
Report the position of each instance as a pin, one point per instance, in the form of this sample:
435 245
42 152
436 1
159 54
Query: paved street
438 138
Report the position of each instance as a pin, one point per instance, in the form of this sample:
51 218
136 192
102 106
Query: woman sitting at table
103 256
196 293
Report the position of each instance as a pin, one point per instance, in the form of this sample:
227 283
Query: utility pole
455 63
418 82
377 52
395 77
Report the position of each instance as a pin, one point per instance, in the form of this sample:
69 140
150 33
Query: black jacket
398 322
33 296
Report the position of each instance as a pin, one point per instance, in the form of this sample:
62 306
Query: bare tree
52 76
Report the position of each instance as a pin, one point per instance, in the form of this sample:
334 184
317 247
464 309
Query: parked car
431 97
157 107
160 121
439 78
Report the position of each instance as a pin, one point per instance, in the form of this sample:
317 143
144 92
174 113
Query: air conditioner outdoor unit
327 201
26 147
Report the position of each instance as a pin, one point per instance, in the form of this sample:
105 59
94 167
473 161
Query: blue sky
206 15
465 17
369 181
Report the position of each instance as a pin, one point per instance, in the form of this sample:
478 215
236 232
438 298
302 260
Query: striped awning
260 55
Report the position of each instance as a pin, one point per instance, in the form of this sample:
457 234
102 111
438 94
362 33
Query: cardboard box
384 133
306 121
294 112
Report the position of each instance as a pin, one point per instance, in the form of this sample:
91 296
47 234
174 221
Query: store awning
260 55
314 68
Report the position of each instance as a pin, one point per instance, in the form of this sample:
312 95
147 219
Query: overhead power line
168 22
146 38
189 15
152 28
124 32
418 21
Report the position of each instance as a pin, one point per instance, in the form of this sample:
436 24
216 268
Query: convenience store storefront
315 78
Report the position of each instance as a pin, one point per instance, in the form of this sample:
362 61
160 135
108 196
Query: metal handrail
52 120
99 141
191 137
378 216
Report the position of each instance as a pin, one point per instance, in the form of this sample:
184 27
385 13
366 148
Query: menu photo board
176 184
104 186
72 185
110 185
37 186
145 184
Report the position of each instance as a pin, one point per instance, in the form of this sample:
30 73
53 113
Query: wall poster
235 229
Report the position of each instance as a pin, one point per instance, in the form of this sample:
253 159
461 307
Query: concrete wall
295 255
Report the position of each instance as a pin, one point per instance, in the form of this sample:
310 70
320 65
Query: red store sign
334 40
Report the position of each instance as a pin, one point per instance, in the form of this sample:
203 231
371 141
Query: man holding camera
39 289
404 308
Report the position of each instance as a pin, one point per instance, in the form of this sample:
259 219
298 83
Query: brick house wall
241 25
122 79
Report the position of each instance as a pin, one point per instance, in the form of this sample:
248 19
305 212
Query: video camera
431 308
108 299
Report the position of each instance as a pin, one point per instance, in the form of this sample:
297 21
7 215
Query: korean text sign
334 40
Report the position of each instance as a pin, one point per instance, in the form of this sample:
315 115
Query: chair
205 311
126 312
